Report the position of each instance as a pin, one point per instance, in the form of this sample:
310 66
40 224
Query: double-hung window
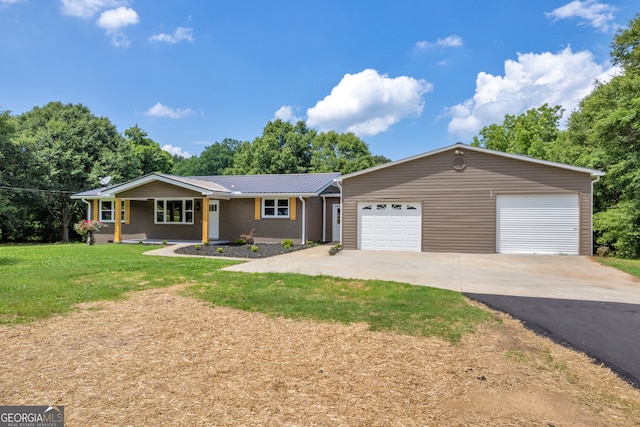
275 208
108 211
174 211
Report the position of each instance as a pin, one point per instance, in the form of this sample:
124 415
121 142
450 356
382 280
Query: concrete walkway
542 276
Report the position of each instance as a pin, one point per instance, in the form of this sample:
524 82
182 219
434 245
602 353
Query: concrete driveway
572 300
542 276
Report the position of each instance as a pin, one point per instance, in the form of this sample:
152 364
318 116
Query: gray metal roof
303 183
238 185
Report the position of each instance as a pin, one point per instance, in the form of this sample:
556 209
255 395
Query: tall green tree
341 152
9 169
532 133
68 149
215 159
282 148
151 157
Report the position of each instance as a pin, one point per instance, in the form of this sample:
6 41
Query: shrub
206 243
602 251
335 249
287 243
254 248
240 242
197 247
219 250
164 242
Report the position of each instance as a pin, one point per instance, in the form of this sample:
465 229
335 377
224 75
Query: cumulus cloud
113 20
450 41
591 12
287 113
160 110
180 34
531 81
176 151
368 103
87 8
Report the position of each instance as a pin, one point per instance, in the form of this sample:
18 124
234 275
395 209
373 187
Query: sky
405 76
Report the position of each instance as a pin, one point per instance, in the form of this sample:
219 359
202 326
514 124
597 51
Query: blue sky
405 76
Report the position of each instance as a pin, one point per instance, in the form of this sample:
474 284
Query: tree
215 159
625 48
344 153
67 149
282 148
8 172
150 156
532 133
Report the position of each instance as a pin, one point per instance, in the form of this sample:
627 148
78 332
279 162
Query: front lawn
45 280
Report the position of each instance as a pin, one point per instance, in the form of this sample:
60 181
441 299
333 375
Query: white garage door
538 224
389 226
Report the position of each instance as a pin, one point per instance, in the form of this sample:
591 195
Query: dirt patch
162 359
263 250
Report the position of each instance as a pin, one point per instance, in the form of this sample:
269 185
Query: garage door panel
389 226
545 224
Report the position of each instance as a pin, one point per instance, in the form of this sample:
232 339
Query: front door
214 220
335 227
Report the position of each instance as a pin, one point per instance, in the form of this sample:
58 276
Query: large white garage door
547 224
389 226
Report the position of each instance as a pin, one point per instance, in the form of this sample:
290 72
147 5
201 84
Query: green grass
631 266
39 281
389 306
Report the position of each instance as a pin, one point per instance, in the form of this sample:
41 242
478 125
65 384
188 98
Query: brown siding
237 217
158 190
459 211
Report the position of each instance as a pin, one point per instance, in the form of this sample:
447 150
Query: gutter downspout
304 220
593 181
88 209
339 184
324 219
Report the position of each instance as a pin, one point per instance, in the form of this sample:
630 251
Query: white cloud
450 41
114 19
180 34
87 8
531 81
287 113
160 110
598 15
368 103
176 151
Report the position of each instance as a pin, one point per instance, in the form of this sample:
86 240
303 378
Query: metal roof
231 185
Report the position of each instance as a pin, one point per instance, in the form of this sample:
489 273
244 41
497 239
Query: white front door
214 220
335 226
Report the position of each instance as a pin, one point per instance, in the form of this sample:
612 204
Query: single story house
469 199
160 207
455 199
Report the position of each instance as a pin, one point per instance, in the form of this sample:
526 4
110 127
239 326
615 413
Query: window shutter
292 209
257 209
127 212
96 212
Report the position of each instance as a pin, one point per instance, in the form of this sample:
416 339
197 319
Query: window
174 211
108 211
275 208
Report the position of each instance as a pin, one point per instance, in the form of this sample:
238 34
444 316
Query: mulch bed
240 251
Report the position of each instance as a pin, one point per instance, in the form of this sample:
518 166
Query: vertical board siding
158 190
459 207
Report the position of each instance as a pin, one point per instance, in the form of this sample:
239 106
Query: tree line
53 151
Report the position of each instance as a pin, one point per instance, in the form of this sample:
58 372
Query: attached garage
539 224
391 226
469 199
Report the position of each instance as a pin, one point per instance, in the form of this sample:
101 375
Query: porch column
205 220
117 227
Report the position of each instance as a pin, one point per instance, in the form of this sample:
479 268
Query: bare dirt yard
159 358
